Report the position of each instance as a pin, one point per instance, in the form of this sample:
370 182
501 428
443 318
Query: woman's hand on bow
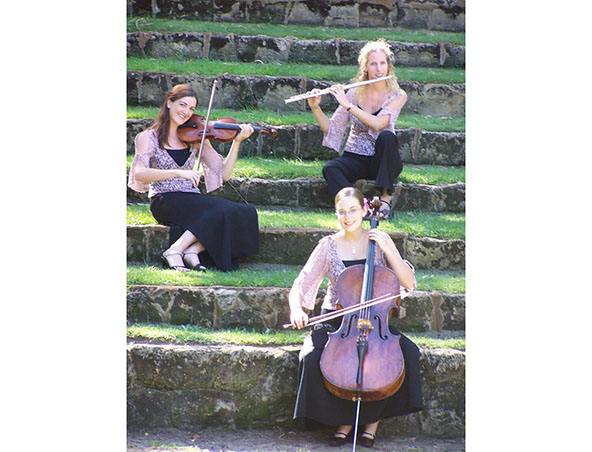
298 317
191 175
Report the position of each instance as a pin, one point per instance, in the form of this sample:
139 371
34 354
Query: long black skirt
228 230
316 406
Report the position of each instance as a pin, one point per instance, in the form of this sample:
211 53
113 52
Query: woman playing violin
331 256
202 227
371 150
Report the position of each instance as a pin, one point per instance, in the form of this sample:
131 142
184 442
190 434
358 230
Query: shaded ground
214 440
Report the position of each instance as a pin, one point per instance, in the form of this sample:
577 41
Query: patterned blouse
361 139
159 158
325 261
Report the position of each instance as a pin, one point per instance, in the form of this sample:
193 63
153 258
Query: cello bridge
364 324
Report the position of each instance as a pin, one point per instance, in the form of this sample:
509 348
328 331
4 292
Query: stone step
267 307
302 141
268 49
444 15
145 243
239 92
312 193
238 386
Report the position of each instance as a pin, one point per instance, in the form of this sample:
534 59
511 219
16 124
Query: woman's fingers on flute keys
314 101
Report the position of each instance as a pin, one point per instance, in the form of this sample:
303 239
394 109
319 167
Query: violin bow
203 140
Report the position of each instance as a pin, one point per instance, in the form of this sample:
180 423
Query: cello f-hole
349 324
384 337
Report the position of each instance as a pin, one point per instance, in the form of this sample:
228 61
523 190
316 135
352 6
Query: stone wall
266 49
293 246
430 14
239 92
232 386
267 307
416 146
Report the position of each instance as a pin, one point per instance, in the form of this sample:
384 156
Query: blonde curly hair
379 45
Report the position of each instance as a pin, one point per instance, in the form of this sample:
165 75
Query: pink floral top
325 261
159 158
361 139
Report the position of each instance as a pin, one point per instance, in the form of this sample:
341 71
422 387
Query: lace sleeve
306 285
144 156
337 125
401 97
212 163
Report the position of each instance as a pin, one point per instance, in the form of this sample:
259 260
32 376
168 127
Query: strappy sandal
197 267
338 439
179 268
386 209
367 439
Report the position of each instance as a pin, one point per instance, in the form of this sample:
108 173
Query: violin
363 360
224 129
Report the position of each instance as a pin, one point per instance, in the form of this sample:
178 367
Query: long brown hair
162 123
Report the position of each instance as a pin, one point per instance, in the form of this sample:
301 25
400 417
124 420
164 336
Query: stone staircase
195 385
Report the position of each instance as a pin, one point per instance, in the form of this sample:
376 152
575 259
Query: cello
363 360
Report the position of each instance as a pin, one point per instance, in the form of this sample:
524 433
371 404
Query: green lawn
338 74
190 334
427 280
135 24
404 121
416 224
276 169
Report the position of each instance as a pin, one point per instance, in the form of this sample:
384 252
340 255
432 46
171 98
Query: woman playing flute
371 150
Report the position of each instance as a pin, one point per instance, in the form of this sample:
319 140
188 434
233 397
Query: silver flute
326 90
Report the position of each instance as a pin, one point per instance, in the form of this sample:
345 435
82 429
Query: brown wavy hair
162 123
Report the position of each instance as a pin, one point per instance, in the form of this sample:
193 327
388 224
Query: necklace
354 246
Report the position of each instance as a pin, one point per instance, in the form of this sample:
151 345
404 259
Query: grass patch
289 169
416 224
275 169
343 73
429 123
427 280
135 24
149 275
183 334
190 334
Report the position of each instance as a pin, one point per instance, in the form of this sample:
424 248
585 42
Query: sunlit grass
416 224
276 169
140 274
338 74
427 280
190 334
298 31
405 121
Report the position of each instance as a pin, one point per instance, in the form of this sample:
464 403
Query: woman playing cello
330 257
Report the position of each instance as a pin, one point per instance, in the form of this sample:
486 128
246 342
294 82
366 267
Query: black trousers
383 167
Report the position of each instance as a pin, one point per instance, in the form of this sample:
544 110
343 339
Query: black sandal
367 440
197 267
338 439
